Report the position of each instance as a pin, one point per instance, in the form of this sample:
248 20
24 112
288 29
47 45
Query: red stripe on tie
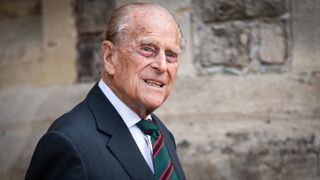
169 175
165 171
158 150
157 141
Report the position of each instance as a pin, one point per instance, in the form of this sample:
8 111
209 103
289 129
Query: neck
134 106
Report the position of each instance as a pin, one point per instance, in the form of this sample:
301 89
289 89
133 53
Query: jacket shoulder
74 120
56 157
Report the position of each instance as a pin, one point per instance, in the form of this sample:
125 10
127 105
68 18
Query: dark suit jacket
92 142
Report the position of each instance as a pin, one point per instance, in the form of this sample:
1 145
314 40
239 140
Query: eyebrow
149 41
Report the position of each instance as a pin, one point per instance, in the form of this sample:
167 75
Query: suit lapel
126 151
121 142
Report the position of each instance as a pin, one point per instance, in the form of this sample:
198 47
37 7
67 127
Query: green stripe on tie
163 166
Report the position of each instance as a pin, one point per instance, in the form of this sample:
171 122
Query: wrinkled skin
141 68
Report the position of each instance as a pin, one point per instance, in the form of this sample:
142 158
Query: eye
147 51
171 56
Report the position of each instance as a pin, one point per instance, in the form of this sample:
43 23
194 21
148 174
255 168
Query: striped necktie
161 160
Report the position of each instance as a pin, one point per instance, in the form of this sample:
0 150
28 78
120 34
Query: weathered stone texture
59 40
305 30
91 20
89 56
231 42
272 44
236 46
20 50
259 151
20 8
224 46
20 42
92 16
221 10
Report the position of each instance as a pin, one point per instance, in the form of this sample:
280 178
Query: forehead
153 25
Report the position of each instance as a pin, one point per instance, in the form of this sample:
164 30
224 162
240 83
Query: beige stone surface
20 50
273 44
39 50
59 41
306 36
25 115
19 7
292 96
221 10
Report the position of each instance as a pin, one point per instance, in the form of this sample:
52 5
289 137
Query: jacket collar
121 142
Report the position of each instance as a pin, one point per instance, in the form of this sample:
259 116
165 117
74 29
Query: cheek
139 64
133 68
172 70
125 66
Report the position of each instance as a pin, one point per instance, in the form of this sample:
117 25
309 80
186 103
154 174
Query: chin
152 106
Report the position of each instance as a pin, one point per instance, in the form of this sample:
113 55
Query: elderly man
113 134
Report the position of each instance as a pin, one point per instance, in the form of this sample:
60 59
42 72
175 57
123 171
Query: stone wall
20 54
245 104
241 37
37 43
91 19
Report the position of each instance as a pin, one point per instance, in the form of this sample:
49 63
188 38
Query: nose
160 62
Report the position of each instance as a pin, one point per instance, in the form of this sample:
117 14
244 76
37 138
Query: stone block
20 8
222 10
59 42
224 44
91 23
272 43
305 30
241 47
92 16
89 57
20 54
271 8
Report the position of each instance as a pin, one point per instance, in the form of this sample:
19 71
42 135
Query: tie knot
147 127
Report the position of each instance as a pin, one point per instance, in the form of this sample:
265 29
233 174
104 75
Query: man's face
146 61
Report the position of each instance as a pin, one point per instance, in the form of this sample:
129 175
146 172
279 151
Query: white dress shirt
130 118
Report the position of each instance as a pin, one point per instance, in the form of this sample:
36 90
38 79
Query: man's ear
108 55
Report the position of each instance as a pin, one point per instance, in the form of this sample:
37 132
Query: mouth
154 83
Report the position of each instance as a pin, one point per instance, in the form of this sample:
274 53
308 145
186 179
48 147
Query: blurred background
246 102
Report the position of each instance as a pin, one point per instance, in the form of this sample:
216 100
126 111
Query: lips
154 83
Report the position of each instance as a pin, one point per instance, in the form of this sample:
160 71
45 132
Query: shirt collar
129 117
